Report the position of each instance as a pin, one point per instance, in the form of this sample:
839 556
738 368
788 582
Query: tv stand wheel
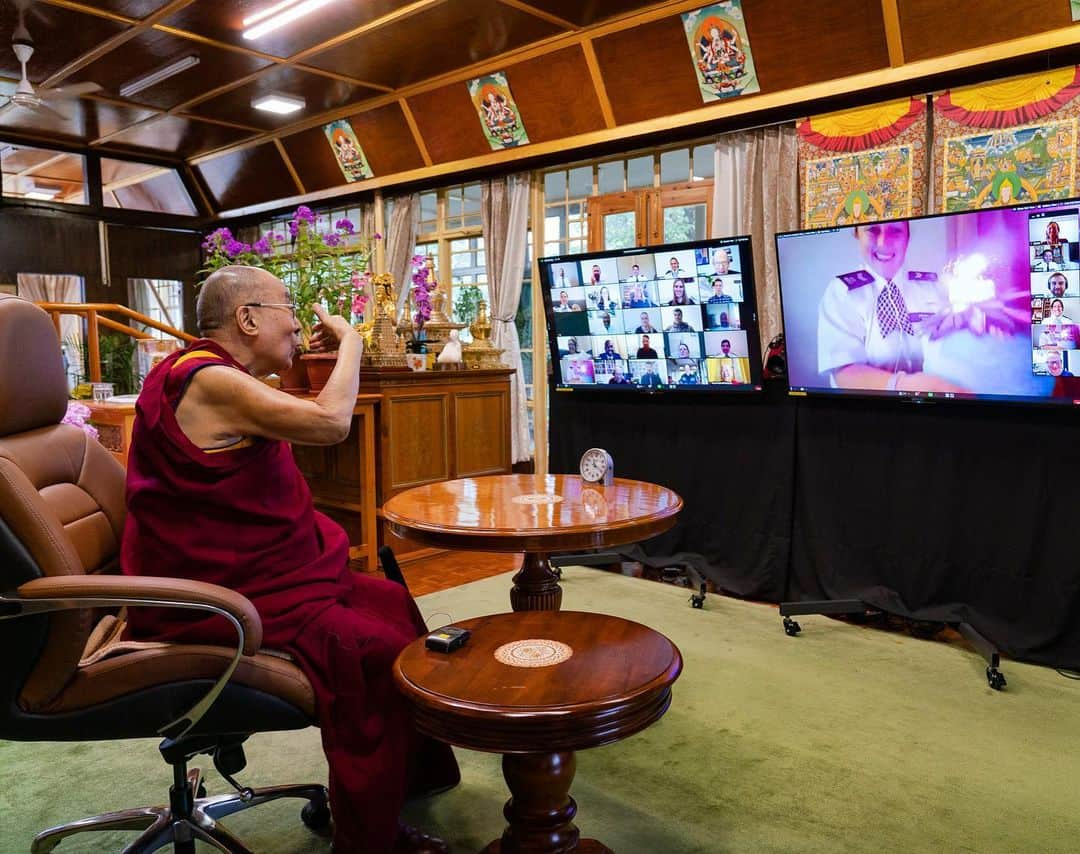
995 678
791 628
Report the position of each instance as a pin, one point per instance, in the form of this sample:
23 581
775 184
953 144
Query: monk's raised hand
329 331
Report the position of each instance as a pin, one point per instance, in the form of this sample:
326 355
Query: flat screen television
679 317
975 305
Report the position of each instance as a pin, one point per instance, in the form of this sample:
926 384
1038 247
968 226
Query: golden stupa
480 352
383 347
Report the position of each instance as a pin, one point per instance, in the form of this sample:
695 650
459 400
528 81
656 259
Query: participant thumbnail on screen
679 264
636 268
716 260
568 299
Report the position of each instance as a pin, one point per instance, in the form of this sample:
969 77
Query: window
43 175
450 232
143 187
159 299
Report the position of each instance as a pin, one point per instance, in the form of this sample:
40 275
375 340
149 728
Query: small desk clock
597 466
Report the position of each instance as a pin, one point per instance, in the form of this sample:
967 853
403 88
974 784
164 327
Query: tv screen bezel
1052 403
749 303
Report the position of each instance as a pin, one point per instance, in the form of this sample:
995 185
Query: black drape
952 512
939 512
729 458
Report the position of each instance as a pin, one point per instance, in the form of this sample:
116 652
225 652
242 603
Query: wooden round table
535 687
539 515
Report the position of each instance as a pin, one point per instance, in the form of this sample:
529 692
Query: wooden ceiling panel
17 158
451 35
60 36
246 177
387 141
83 120
648 72
130 8
320 93
178 136
123 170
384 135
540 88
449 124
163 193
224 22
930 28
69 168
586 12
313 160
153 49
848 37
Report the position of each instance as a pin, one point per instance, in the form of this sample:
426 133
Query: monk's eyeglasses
290 306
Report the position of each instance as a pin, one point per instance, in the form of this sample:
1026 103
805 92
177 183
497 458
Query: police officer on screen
868 319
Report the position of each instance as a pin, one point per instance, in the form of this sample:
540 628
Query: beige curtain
756 192
40 287
505 211
401 243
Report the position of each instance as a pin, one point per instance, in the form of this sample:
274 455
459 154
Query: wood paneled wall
57 243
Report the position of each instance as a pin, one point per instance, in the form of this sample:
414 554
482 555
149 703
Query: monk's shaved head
226 289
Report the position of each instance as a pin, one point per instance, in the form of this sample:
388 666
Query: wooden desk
342 481
536 514
512 690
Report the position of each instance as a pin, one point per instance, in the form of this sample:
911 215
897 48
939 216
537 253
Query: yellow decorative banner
1007 142
850 172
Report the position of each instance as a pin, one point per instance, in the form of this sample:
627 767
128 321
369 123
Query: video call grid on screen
679 317
991 300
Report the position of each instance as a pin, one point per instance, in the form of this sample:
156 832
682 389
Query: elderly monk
214 494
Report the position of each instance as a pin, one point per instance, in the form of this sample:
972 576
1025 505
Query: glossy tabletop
532 513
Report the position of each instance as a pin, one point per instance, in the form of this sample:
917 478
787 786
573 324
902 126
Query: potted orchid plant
327 267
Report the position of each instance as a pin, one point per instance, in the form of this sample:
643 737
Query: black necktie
892 311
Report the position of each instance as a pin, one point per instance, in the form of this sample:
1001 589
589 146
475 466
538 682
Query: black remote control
447 639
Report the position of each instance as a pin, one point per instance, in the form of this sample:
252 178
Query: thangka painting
500 117
720 49
863 165
1007 143
347 150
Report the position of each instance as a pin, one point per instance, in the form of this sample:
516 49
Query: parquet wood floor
451 569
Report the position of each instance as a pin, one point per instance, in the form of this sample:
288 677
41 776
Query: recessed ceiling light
278 15
282 105
157 75
43 193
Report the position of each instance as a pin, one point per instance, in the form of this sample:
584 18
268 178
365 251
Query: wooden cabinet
342 479
437 425
114 421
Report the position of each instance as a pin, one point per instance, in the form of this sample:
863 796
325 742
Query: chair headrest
33 387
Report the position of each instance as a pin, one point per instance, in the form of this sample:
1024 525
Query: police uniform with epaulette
865 319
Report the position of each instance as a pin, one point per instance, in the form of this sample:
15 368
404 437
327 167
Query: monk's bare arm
223 404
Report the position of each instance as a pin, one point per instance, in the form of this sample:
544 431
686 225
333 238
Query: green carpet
843 739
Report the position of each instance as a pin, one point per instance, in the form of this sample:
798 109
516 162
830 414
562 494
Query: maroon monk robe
242 517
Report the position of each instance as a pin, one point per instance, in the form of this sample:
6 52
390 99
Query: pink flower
378 236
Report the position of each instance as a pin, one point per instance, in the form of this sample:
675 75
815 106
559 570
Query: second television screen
982 304
677 317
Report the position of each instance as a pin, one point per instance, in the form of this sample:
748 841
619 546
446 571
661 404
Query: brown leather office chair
66 675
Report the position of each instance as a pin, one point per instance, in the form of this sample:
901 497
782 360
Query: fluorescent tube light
269 11
279 15
156 76
282 105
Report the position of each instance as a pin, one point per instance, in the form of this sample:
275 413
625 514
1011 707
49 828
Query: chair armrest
68 592
175 593
168 592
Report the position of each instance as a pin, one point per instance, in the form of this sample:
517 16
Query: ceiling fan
25 95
